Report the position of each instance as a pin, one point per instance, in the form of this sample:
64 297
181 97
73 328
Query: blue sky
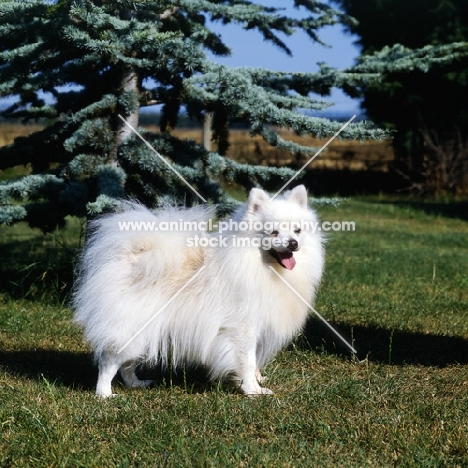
249 49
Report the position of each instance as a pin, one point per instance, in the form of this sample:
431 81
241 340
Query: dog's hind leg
127 372
260 378
108 366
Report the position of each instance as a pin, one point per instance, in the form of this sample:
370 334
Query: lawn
397 287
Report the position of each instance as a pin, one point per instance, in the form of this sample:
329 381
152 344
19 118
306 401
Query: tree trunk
207 124
129 85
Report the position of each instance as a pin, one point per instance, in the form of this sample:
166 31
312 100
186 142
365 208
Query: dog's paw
105 396
256 391
264 391
137 383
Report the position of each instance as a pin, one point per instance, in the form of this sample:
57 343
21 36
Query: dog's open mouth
285 259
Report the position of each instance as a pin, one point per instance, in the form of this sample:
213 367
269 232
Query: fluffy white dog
212 299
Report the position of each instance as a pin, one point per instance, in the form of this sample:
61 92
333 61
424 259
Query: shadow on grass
77 371
38 281
386 346
74 370
28 270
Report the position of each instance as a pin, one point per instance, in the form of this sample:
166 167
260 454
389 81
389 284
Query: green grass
397 287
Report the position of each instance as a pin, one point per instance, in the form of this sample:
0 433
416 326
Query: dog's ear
257 198
298 195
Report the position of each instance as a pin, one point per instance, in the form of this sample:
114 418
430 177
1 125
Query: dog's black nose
292 244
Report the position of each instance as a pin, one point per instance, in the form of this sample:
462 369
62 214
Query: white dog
195 297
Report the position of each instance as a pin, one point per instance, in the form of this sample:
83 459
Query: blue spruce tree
101 61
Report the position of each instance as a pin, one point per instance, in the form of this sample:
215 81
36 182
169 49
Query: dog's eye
297 231
274 233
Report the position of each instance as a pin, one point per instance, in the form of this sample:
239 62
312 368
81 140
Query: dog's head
281 222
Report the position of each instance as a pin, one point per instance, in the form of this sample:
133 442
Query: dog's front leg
249 375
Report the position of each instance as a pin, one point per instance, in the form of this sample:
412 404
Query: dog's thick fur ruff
232 318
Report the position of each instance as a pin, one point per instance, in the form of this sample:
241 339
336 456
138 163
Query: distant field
352 155
244 148
8 132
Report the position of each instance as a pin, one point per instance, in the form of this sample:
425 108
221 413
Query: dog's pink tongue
287 260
